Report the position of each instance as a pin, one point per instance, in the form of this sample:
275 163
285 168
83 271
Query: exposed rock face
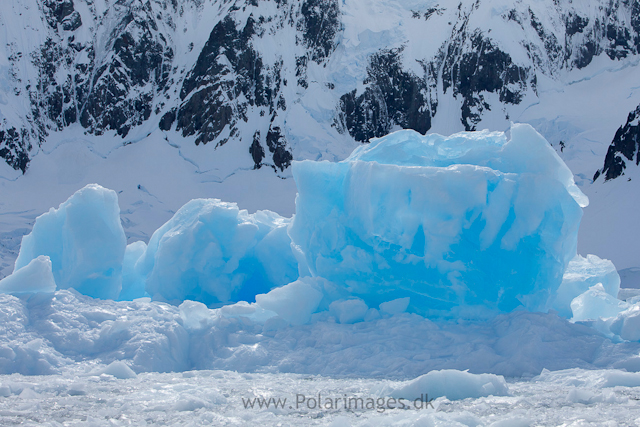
473 64
106 82
231 82
393 97
625 145
14 148
113 66
113 91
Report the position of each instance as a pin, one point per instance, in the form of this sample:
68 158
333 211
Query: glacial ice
33 277
627 323
349 310
119 370
581 274
48 333
596 303
215 253
84 240
295 302
461 225
611 316
133 283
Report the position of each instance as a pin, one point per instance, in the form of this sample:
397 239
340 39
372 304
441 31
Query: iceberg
461 225
215 253
84 241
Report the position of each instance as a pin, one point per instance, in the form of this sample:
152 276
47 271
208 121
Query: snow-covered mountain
167 100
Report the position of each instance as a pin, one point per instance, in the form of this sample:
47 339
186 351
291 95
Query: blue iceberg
461 225
84 241
215 253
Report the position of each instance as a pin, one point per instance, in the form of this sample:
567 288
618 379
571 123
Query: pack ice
459 226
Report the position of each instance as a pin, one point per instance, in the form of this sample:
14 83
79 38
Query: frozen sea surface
79 397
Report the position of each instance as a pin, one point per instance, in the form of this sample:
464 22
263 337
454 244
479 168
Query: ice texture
295 302
33 277
119 370
461 225
581 274
395 306
596 303
452 384
46 333
627 323
614 318
84 240
215 253
133 283
349 311
195 315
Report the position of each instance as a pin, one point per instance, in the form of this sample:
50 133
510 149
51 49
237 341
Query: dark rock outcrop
625 145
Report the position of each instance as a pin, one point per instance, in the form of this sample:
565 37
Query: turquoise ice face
465 224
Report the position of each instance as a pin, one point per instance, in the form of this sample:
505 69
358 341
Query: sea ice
452 384
84 240
213 252
460 225
33 277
